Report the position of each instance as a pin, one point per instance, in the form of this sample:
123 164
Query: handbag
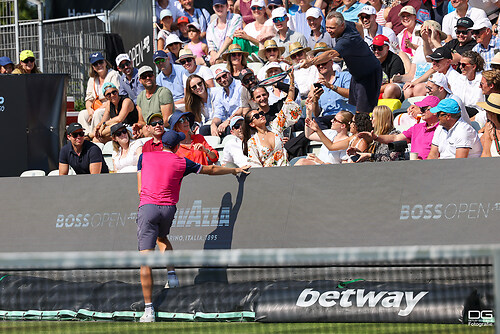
97 103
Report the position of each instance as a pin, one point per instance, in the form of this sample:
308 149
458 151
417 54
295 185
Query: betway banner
371 204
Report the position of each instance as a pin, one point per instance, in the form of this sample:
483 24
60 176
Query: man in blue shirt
129 80
350 10
226 102
335 84
170 76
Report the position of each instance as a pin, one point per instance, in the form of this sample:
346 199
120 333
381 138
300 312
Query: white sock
148 307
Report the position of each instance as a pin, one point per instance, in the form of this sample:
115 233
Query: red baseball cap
182 19
380 40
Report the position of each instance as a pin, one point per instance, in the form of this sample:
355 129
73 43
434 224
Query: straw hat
185 53
319 47
492 103
270 44
432 24
295 47
233 48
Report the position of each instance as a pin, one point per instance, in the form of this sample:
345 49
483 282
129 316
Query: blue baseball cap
172 138
449 106
95 57
274 2
5 61
160 54
220 2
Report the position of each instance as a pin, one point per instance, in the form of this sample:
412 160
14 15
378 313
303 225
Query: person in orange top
194 146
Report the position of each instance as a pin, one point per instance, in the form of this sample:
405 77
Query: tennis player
159 177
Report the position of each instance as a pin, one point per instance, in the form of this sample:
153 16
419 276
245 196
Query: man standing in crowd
159 189
227 101
153 100
82 155
486 42
464 41
453 138
285 36
318 32
233 149
170 76
129 80
462 9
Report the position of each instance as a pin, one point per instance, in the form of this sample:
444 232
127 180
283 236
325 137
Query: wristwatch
335 88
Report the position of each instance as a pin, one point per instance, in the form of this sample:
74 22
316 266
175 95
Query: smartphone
317 85
354 158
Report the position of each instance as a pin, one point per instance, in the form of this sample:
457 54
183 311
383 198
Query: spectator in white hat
233 149
408 40
187 60
486 42
129 80
166 21
285 36
299 19
197 47
318 33
174 46
367 17
160 5
462 9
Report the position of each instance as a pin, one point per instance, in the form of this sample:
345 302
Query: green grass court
230 328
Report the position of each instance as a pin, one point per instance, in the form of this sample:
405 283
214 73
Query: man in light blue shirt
350 10
227 102
129 80
486 42
170 76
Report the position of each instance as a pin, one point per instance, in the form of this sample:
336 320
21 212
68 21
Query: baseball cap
116 127
171 39
121 57
428 101
73 127
313 12
368 10
220 2
274 2
408 9
92 59
144 69
182 19
159 54
380 40
165 12
5 61
234 120
440 80
278 12
465 22
195 25
448 106
220 71
440 53
481 23
150 117
106 86
258 3
244 72
26 54
172 138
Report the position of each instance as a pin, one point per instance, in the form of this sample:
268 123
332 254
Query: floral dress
262 156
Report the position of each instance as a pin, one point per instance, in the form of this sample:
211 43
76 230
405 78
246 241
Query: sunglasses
99 62
461 32
195 86
463 64
222 76
185 61
439 114
254 8
272 7
248 80
279 19
296 55
120 132
29 60
428 88
258 115
182 120
477 32
153 124
159 61
364 17
236 55
77 134
145 76
237 126
377 48
193 30
113 92
124 64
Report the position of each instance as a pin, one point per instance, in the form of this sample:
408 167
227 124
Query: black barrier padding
283 301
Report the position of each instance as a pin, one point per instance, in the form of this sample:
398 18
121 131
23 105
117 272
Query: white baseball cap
195 25
121 57
313 12
440 80
481 23
278 12
164 13
368 10
258 3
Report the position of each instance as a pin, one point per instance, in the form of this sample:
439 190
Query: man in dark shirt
391 65
463 42
83 156
393 18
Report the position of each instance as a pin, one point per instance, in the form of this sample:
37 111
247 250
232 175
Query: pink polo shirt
161 177
421 138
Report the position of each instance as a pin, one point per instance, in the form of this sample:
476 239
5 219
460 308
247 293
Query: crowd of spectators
361 75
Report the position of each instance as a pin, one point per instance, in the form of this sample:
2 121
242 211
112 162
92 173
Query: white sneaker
148 316
172 281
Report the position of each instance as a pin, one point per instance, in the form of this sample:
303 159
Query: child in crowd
182 23
166 20
199 49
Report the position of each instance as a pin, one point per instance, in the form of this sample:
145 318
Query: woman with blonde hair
125 151
236 60
27 63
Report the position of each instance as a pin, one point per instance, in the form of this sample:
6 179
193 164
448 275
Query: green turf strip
39 327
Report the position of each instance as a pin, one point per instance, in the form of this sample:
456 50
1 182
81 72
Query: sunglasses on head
256 8
461 32
185 61
159 61
77 134
258 115
120 132
377 48
279 19
124 64
196 85
155 123
29 60
113 92
147 75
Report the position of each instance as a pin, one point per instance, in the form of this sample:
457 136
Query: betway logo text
358 298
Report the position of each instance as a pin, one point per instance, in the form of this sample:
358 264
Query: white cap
440 80
273 65
481 23
196 25
368 10
258 3
171 39
121 57
278 12
219 71
313 12
165 12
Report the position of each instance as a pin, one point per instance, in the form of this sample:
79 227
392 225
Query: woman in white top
125 152
408 41
188 61
100 72
467 89
489 140
199 100
256 32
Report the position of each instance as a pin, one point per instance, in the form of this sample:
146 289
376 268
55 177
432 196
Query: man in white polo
367 17
463 9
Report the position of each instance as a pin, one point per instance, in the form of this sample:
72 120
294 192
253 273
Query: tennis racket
278 77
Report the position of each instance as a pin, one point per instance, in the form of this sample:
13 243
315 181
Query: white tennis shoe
148 316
